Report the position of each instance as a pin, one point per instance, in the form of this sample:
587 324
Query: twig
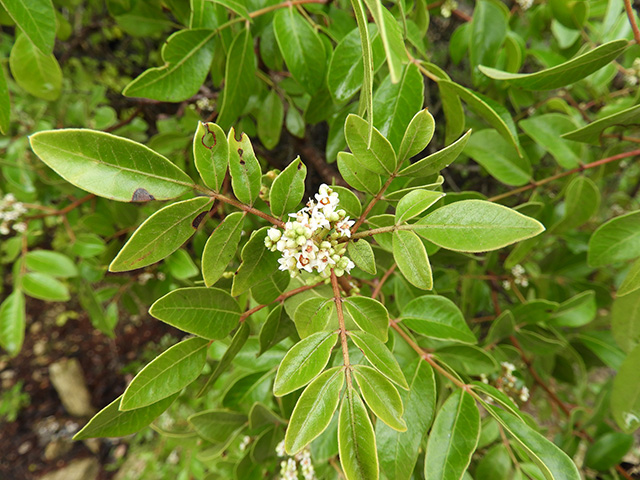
382 281
64 210
329 174
337 297
246 208
371 204
280 298
632 20
124 122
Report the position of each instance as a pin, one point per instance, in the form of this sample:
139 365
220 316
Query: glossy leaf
631 282
314 410
476 226
366 97
564 74
187 56
51 263
414 203
378 155
361 253
369 314
276 328
221 247
411 256
379 356
303 362
45 287
211 154
582 200
37 73
207 312
356 439
437 161
592 133
287 189
36 19
615 241
417 135
270 118
546 131
218 426
239 79
160 235
234 6
381 396
356 175
246 174
488 31
12 322
607 451
257 263
313 315
453 438
301 48
237 342
499 158
398 451
112 422
167 374
437 317
625 396
110 166
391 36
625 321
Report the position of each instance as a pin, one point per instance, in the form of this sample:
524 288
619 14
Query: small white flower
524 4
524 394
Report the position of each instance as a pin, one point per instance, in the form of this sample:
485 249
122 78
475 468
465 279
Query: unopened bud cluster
524 4
519 277
10 212
311 241
448 7
508 383
631 74
289 467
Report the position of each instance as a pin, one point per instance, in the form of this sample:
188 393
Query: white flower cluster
524 4
246 440
519 278
10 212
289 467
508 383
631 74
310 242
447 7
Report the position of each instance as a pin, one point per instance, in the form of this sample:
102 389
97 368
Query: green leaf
12 322
110 166
499 158
346 69
615 241
395 104
36 19
574 312
411 256
553 462
237 342
467 359
488 31
366 96
476 226
417 135
211 154
399 450
303 362
631 282
591 133
437 317
391 36
301 48
221 247
356 439
546 131
276 328
246 174
496 463
314 410
453 438
218 426
414 203
160 235
5 105
37 73
361 253
564 74
167 374
377 155
248 389
368 314
207 312
607 451
313 315
239 78
625 396
437 161
52 263
381 396
270 118
582 200
625 320
379 356
45 287
235 7
111 422
492 112
356 175
187 56
602 344
287 189
257 263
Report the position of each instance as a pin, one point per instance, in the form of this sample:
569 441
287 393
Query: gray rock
68 380
85 469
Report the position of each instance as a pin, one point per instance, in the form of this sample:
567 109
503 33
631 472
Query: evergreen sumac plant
400 301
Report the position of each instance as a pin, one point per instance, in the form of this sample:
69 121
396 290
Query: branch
246 208
64 210
337 297
281 298
372 203
632 20
384 278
